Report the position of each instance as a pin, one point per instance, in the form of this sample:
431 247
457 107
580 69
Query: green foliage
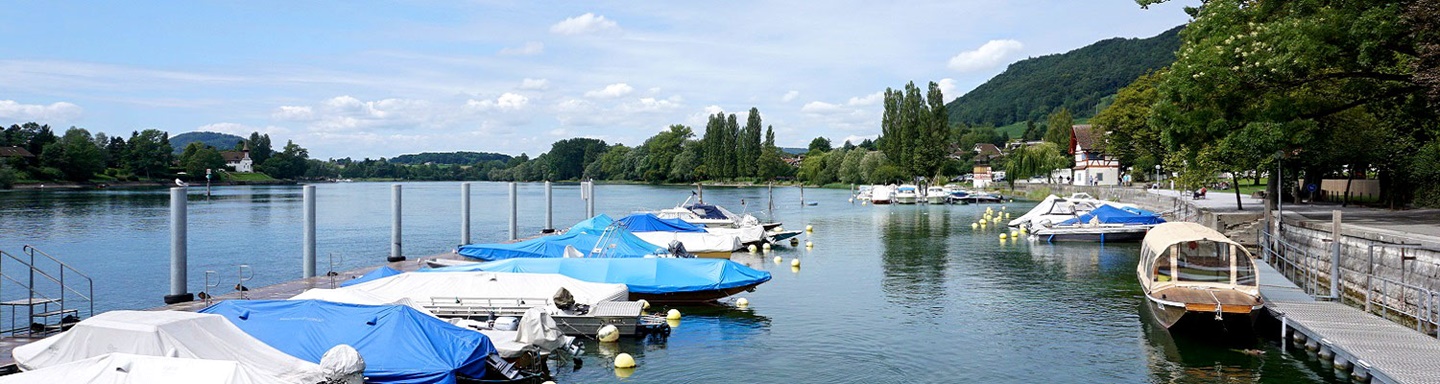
212 139
684 167
149 153
569 157
288 164
442 158
663 148
1033 161
1059 128
198 157
75 155
1130 137
749 145
820 144
260 149
1077 80
8 176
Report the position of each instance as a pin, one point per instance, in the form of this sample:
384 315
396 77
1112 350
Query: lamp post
1157 175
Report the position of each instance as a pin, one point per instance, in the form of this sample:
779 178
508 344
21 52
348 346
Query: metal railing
1393 299
32 293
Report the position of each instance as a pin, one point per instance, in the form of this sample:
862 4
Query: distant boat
881 194
936 195
1192 274
907 194
1106 224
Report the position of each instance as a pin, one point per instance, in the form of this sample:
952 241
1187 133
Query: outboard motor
677 249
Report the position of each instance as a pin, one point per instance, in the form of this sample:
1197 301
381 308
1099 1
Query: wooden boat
1193 275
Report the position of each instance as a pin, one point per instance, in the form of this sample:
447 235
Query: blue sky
379 79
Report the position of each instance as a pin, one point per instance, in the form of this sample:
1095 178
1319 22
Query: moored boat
1192 274
907 194
655 280
881 194
936 195
696 240
1106 224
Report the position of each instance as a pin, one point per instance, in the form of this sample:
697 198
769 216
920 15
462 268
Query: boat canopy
383 271
710 211
167 333
1107 214
356 297
125 368
646 276
648 222
595 237
1184 253
427 285
398 343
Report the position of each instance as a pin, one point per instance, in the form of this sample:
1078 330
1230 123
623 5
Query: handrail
89 282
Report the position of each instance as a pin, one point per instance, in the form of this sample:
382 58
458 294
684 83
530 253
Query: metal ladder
47 309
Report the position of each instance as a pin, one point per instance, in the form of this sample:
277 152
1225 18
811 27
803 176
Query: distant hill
795 151
1079 79
221 141
452 158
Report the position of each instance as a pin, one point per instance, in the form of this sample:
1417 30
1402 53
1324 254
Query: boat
579 307
1106 224
397 343
696 240
907 194
120 367
654 280
1195 277
1053 209
881 194
979 197
862 193
598 236
936 195
174 334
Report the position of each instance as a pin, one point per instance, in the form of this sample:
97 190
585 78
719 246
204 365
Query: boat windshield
1205 262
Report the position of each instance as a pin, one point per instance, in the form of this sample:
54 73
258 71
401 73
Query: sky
379 79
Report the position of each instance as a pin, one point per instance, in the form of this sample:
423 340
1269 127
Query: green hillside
1078 80
220 141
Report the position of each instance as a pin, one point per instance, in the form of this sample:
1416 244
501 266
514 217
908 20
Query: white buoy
795 263
751 248
742 302
765 246
644 304
809 228
624 360
674 314
778 259
608 333
809 244
852 200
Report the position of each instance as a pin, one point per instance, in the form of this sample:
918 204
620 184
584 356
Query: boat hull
1129 235
1191 320
692 297
712 255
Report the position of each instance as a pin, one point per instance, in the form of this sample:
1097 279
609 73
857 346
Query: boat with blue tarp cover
648 222
1104 224
398 343
655 280
595 237
697 240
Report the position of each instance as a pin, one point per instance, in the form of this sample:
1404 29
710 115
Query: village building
984 173
239 160
1092 167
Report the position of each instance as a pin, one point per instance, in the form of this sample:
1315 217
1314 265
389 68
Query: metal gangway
47 303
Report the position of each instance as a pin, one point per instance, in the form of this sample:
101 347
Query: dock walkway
1390 353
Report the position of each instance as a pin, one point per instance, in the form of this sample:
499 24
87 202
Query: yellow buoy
1023 230
795 263
1002 208
778 259
793 270
809 244
674 314
1014 234
765 246
974 225
644 304
608 333
624 373
1003 236
624 360
742 302
809 228
751 248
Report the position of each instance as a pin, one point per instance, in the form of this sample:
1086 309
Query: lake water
888 294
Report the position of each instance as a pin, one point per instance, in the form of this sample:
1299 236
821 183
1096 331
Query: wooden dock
1386 351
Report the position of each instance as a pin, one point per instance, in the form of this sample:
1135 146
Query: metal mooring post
1335 257
549 210
307 265
464 213
395 254
178 250
514 212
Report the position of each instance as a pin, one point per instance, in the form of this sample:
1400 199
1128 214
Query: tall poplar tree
749 147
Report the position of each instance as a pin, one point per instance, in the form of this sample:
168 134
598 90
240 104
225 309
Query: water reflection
915 258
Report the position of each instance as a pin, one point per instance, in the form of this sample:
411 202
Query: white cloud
534 84
611 91
856 139
584 24
789 96
866 100
821 108
508 101
649 104
45 114
293 113
988 56
947 89
530 48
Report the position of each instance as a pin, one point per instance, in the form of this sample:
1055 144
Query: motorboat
696 240
398 343
580 307
1193 274
1106 224
907 194
119 367
881 194
595 237
1052 210
173 334
863 193
936 195
654 280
